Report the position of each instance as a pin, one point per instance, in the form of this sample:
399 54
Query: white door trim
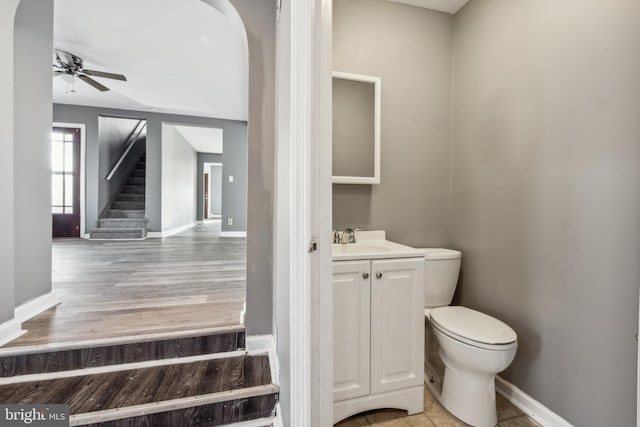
303 212
83 163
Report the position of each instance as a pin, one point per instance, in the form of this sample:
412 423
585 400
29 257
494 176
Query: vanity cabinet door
351 323
397 324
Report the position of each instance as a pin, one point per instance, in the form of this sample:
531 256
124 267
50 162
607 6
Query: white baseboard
233 234
531 407
277 421
12 329
87 236
161 234
36 306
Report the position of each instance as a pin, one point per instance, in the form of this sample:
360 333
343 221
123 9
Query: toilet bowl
473 347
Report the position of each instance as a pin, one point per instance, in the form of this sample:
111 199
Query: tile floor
435 416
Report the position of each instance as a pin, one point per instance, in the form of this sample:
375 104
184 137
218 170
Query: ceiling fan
69 66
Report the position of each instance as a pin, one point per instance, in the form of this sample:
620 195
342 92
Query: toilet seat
473 328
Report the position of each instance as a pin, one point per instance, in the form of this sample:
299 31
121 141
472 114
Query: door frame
303 296
83 144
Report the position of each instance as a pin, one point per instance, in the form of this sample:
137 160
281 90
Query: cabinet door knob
378 275
365 275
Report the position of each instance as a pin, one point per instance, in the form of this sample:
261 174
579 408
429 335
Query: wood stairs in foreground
125 217
203 380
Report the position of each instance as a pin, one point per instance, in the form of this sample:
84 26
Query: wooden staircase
125 217
201 380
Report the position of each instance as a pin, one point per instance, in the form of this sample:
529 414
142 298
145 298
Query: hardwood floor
190 281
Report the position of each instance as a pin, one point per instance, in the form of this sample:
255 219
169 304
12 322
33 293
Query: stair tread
130 387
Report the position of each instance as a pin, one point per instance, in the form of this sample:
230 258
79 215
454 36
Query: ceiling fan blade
88 80
105 75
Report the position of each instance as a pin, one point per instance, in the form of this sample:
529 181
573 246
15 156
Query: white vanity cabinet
378 329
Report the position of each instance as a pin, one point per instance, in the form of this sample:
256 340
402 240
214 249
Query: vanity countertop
372 245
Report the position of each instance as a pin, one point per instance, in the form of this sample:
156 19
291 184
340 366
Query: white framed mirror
356 129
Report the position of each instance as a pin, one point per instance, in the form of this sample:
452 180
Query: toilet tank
441 270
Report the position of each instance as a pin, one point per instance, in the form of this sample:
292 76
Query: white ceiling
179 56
203 140
449 6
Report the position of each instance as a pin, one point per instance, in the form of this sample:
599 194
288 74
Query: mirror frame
377 82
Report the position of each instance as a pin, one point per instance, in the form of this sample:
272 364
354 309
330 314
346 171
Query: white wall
546 199
179 174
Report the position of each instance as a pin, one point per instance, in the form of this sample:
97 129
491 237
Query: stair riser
135 180
141 165
118 234
127 223
141 173
216 414
65 360
118 213
129 197
117 204
134 189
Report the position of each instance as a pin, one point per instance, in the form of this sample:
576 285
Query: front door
65 182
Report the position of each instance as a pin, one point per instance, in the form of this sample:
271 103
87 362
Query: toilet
473 347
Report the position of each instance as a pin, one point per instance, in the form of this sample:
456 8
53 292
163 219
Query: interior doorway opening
212 194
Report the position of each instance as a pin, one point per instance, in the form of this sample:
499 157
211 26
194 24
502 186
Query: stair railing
142 125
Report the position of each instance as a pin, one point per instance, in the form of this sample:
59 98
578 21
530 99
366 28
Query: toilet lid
473 325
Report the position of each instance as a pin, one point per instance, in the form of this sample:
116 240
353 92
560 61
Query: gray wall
234 194
259 17
32 122
7 193
410 49
90 117
546 207
179 167
113 133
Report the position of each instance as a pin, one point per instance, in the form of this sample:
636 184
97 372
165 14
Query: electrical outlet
230 178
229 221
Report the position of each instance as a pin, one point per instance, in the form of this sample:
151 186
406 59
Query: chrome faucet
348 232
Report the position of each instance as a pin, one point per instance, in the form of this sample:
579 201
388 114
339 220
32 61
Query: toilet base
470 397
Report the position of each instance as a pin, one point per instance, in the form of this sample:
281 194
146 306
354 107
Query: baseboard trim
527 404
261 422
36 306
166 233
10 330
233 234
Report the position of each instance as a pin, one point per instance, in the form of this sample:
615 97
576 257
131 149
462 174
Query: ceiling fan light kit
70 66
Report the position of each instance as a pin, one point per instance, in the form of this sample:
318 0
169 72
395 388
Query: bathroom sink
372 245
356 248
